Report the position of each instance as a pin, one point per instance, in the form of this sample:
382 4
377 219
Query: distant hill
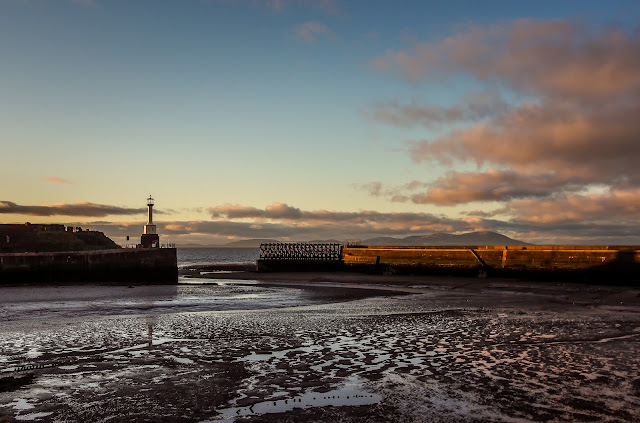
470 238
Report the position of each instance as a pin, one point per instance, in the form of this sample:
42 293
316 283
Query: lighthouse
150 238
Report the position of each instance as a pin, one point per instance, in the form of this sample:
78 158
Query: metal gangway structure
312 251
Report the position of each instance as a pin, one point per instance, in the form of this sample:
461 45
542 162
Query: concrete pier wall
141 265
597 261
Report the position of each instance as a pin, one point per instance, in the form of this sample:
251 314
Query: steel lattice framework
300 251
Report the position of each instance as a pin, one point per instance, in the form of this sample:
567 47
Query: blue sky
301 119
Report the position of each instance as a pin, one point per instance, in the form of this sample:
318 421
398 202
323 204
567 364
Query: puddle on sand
33 416
351 393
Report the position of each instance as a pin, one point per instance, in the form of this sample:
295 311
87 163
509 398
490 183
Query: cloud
373 188
475 106
276 5
599 144
62 209
619 205
360 222
57 180
492 185
556 58
558 158
571 123
274 211
395 194
313 225
310 31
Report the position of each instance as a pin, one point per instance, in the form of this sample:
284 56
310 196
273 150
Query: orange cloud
578 127
57 180
615 206
544 137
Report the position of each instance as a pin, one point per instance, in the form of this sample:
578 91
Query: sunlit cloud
571 124
598 145
608 207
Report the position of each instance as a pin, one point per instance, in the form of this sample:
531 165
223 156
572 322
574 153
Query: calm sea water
189 295
22 303
191 256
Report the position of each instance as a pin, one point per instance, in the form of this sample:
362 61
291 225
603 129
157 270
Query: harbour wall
595 262
131 266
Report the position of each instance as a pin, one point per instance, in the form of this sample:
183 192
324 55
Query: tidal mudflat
454 350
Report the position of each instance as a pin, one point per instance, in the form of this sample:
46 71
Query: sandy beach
378 348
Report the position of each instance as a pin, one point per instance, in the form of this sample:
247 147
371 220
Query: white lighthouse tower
150 238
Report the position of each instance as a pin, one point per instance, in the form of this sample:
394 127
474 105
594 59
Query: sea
217 255
34 302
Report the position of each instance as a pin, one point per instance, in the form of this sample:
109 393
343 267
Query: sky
323 119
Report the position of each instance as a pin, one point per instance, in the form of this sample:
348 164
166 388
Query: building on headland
30 237
34 227
150 238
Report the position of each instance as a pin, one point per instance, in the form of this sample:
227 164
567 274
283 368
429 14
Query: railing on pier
300 251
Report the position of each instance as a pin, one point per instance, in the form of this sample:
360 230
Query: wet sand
456 349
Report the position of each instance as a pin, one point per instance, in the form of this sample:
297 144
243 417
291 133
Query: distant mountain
470 238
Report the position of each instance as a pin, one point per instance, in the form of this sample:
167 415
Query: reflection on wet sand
150 322
350 393
475 356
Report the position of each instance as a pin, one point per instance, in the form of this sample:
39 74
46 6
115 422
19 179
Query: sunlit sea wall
581 261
